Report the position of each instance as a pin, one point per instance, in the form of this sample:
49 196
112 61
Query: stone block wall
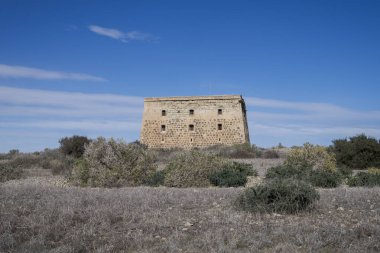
198 121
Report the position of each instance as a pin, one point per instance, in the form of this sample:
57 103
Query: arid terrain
43 213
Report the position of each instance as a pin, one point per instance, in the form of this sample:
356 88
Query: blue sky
309 70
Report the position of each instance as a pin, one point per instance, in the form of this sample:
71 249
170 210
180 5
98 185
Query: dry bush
234 151
111 163
9 173
311 156
192 169
49 159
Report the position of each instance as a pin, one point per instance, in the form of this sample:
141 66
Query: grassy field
44 214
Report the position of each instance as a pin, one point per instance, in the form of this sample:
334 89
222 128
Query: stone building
197 121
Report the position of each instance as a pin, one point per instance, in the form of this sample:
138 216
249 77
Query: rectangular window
220 111
191 112
220 127
163 113
191 127
163 128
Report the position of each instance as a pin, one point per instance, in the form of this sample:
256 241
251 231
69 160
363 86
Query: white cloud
9 71
119 35
61 113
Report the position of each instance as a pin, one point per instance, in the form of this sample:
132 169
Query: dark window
219 126
191 127
163 128
163 113
191 139
220 111
191 112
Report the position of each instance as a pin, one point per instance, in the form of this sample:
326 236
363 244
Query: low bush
318 178
9 173
325 179
311 157
192 169
345 171
280 196
110 163
156 179
364 179
232 175
283 172
235 151
374 171
270 154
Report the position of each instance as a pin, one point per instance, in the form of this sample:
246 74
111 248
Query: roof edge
189 98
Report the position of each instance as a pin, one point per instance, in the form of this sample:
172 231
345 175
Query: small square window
191 139
191 112
220 111
191 127
163 113
220 127
163 128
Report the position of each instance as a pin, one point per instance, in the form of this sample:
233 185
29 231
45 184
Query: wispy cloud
53 114
122 36
10 71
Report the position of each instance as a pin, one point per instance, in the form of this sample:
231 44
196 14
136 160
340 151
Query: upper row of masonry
193 98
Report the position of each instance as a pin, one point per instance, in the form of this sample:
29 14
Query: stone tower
197 121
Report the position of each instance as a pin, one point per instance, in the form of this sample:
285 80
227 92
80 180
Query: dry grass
40 215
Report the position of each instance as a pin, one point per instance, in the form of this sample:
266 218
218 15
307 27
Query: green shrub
156 179
9 173
358 152
318 178
283 172
281 196
232 175
325 179
364 179
345 171
110 163
192 169
74 145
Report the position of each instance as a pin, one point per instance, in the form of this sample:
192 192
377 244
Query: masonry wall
205 127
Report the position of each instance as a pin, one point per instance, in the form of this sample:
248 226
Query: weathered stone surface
197 121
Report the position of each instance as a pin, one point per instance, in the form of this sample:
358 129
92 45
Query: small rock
184 229
340 208
157 236
188 224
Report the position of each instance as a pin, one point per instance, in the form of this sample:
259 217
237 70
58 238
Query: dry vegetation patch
46 218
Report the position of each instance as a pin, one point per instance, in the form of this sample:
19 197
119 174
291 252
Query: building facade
197 121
